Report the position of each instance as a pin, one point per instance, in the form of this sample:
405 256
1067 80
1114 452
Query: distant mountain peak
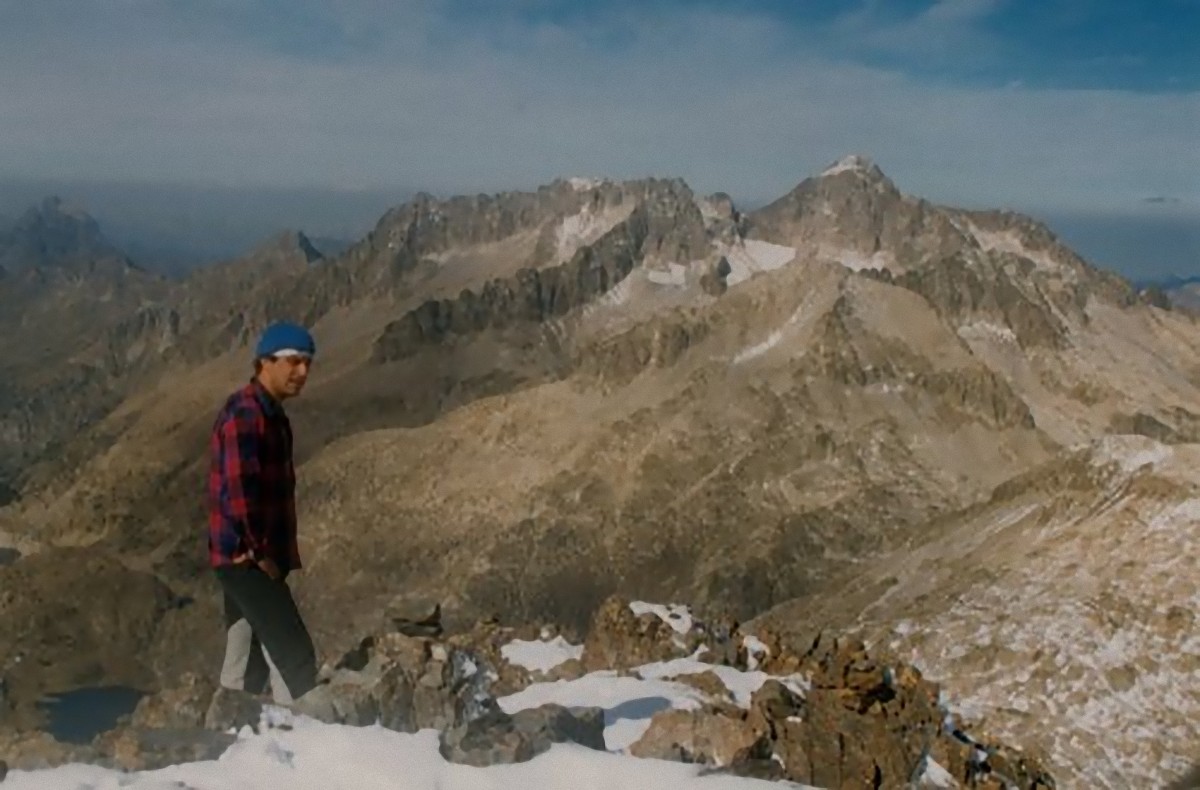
53 204
852 163
54 232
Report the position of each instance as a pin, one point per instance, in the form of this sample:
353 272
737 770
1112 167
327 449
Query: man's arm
241 467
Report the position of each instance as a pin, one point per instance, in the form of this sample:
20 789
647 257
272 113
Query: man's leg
270 611
245 668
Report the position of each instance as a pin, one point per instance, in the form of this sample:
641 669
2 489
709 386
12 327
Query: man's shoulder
241 405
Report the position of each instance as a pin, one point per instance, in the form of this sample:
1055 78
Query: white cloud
367 92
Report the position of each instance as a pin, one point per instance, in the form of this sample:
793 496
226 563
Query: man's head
283 358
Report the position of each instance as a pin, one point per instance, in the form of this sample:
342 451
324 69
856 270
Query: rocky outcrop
710 736
497 737
657 343
961 289
862 722
531 296
619 636
831 715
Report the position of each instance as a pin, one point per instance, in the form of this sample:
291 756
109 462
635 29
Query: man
252 522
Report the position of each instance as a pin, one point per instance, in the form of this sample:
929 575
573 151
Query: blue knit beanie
285 336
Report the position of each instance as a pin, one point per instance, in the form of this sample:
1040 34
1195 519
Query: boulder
148 749
708 736
34 750
497 737
620 639
231 709
404 683
184 706
349 698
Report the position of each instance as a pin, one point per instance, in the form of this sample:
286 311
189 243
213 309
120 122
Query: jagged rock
497 737
148 749
620 639
405 683
713 281
184 706
571 669
773 702
701 736
429 626
348 698
870 720
230 709
532 295
34 750
709 683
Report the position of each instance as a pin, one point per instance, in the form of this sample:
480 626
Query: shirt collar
269 403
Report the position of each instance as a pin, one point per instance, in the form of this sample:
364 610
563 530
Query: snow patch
678 616
584 184
316 756
584 228
987 330
741 685
755 649
751 256
675 275
934 775
852 163
773 339
758 349
1180 515
1010 241
628 702
857 262
540 655
1130 453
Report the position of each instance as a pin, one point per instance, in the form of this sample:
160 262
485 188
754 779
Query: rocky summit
826 715
851 411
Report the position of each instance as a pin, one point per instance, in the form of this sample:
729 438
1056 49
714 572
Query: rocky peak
290 244
854 215
54 233
857 164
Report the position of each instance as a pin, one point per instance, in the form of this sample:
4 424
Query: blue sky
1062 105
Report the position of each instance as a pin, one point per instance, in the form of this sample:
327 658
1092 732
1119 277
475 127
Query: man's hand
268 566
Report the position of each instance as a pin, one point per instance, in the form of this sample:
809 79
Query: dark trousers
265 636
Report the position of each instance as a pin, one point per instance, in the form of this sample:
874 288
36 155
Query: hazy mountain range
172 228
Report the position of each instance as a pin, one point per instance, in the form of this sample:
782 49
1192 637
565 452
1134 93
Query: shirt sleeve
241 438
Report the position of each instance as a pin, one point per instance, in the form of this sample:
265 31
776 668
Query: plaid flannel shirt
251 482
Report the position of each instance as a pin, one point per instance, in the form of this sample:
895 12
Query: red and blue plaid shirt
251 482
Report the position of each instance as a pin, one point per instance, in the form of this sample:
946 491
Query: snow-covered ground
317 755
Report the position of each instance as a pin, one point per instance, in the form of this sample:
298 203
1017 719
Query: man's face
285 376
